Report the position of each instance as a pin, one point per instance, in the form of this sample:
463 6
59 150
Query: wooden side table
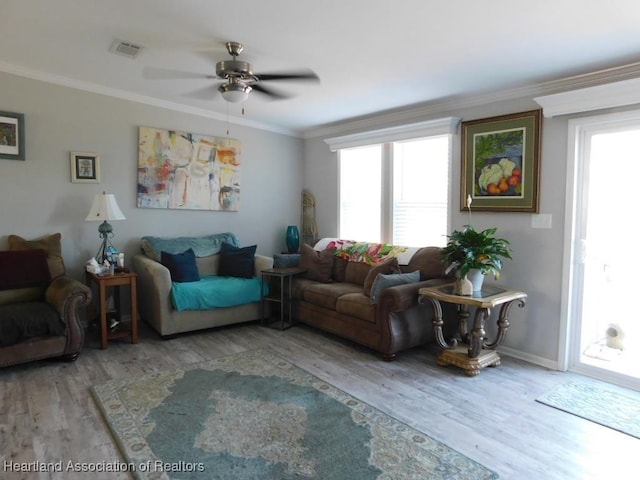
117 280
477 352
284 297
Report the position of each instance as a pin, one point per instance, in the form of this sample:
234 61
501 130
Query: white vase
464 287
476 277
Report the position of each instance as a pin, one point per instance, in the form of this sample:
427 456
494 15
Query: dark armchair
39 303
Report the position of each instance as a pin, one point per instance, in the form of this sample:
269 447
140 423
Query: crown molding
446 106
396 117
441 126
138 98
610 95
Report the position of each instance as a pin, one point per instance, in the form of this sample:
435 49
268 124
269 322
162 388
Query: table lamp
104 208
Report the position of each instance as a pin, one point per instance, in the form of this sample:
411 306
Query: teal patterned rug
254 415
597 404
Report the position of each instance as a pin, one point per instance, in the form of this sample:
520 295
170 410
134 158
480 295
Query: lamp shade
104 208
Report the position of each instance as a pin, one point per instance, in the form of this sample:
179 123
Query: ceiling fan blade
296 75
269 91
153 73
205 94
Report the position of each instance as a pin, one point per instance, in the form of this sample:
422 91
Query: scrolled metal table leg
477 332
437 326
463 323
503 323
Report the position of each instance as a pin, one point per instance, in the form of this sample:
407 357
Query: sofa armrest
154 287
66 295
263 263
402 297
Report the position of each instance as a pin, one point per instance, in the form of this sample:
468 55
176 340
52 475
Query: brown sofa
335 295
39 304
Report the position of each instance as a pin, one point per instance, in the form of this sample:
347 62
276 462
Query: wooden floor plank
47 413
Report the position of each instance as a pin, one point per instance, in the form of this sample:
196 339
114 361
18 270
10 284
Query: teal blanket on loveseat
213 291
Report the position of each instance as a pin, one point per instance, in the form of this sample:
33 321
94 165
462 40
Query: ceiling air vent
126 49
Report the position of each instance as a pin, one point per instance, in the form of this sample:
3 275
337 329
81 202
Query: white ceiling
370 55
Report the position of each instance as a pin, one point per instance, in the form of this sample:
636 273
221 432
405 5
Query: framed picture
501 163
85 167
12 136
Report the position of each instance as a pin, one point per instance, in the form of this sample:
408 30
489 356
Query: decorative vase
476 277
293 239
464 287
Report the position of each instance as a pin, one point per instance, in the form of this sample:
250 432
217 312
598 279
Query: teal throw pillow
182 266
383 281
286 260
237 262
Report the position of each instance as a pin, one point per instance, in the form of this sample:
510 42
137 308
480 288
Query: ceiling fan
239 78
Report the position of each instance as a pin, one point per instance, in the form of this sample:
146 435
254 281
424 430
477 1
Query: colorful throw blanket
366 252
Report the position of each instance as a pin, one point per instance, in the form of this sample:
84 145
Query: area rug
254 415
597 404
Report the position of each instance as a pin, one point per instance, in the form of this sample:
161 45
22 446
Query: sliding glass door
604 321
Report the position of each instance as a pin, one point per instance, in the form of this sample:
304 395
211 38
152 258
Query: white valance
429 128
616 94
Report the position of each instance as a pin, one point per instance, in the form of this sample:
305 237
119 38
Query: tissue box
97 269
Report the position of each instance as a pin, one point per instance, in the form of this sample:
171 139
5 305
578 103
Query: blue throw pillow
237 262
383 281
286 260
182 266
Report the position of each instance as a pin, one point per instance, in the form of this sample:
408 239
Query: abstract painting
187 171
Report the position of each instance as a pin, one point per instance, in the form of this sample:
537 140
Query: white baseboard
527 357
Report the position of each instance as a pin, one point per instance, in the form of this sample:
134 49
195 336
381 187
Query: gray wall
536 267
37 197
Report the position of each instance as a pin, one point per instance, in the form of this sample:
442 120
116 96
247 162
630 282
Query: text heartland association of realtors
110 467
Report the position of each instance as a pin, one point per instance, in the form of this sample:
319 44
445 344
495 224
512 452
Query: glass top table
479 351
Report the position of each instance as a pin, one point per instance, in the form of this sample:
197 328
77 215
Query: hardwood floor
48 415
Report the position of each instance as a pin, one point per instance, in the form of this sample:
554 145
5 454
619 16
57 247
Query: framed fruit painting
501 163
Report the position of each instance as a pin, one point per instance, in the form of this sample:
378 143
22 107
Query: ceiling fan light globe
234 92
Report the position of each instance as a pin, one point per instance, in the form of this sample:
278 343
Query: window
420 192
396 192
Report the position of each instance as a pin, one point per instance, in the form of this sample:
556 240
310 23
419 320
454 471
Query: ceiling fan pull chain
227 119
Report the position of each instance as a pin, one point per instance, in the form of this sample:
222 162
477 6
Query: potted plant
469 250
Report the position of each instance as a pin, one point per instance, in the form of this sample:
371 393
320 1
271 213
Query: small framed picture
12 136
85 167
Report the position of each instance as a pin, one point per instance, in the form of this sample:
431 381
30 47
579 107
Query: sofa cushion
318 265
18 295
339 269
202 246
427 260
237 262
24 269
386 267
356 272
182 266
383 281
21 321
326 295
356 305
52 244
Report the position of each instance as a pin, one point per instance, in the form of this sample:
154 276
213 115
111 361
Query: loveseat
368 293
39 304
226 289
